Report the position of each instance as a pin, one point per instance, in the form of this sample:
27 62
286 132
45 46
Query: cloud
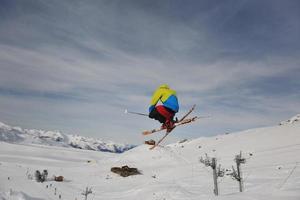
77 66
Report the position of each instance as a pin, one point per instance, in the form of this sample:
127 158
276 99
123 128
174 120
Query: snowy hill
172 172
55 138
295 119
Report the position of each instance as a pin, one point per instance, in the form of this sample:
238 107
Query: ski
189 112
184 121
178 122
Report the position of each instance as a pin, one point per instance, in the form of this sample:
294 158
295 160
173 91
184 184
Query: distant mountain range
18 135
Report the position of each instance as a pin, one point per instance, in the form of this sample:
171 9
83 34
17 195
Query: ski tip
151 148
150 142
193 107
146 132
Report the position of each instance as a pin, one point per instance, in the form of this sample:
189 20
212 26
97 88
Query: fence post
239 160
214 167
217 172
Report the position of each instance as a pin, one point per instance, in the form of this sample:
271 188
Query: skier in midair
164 113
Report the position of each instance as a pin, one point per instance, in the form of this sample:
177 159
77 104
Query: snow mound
295 119
18 135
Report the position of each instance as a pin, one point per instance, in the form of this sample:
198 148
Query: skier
164 113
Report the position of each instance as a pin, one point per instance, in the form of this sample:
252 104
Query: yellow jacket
167 96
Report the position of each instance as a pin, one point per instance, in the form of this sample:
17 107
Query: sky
75 66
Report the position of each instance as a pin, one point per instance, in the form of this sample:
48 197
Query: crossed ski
182 121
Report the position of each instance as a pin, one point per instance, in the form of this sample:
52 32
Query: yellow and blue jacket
167 96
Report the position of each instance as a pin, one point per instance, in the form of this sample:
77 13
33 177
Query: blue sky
75 66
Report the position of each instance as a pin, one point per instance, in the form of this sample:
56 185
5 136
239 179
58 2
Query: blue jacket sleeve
151 108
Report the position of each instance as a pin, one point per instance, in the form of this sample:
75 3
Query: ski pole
136 113
204 116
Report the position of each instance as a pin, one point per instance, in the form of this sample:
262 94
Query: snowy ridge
295 119
55 138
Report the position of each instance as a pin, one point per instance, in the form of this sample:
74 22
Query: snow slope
55 138
295 119
271 170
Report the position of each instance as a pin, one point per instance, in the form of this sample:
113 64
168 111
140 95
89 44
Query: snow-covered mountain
55 138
